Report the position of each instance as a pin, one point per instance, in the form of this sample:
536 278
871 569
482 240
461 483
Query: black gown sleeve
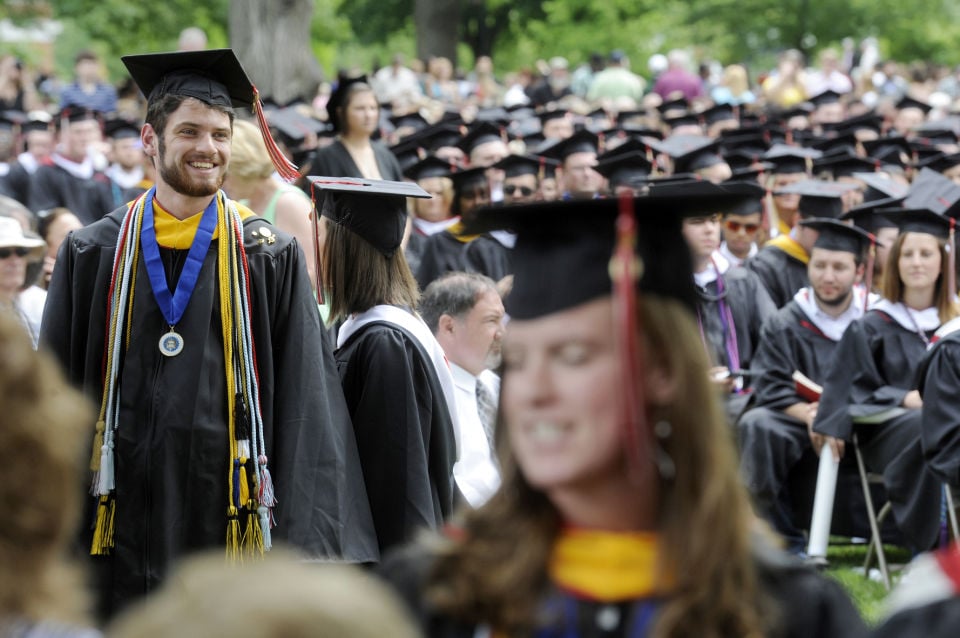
775 363
940 425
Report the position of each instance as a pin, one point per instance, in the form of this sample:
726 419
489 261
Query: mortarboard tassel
868 275
285 168
952 260
625 271
318 258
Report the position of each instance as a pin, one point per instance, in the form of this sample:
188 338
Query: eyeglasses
19 252
734 227
511 189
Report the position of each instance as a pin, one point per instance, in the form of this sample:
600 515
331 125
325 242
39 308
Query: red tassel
868 275
285 168
625 270
952 261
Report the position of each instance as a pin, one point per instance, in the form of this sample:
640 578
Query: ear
861 270
150 140
661 385
445 325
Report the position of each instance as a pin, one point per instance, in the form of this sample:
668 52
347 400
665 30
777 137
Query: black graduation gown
404 432
442 252
939 377
782 275
808 603
487 256
172 448
88 199
749 305
17 183
772 443
940 619
876 367
334 160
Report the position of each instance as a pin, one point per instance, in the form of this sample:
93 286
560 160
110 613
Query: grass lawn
846 567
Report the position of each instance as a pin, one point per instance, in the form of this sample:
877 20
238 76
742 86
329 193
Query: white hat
11 236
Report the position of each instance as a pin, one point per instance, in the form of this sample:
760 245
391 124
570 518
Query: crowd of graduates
816 318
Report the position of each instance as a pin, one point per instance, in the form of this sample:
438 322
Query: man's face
908 119
39 143
473 196
787 203
80 136
579 177
740 232
488 154
477 335
702 235
558 128
194 149
829 113
128 152
519 189
832 274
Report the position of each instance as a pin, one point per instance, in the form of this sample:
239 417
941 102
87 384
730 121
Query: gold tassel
103 531
252 534
97 445
244 485
233 536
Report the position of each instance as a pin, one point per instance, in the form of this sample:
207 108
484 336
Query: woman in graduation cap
355 115
871 390
399 388
621 512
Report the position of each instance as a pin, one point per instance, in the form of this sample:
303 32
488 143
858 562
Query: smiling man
222 418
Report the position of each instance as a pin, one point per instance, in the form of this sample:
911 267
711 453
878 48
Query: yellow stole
787 244
607 566
178 233
457 231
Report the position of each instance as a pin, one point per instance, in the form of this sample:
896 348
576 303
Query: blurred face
558 128
488 154
559 398
128 152
579 177
40 143
953 174
475 345
57 232
519 189
194 150
830 113
13 269
908 119
832 275
919 261
473 196
740 232
702 235
885 239
362 114
787 203
717 173
80 136
437 208
549 189
452 154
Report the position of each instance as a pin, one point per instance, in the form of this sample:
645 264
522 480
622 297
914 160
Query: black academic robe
772 444
807 603
172 447
749 305
17 183
939 377
876 367
88 199
940 619
782 274
334 161
487 256
404 431
442 252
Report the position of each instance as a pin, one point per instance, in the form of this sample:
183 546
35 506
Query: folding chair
875 519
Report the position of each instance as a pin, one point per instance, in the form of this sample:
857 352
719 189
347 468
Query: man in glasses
740 227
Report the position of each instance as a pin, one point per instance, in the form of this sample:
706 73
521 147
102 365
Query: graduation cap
683 119
409 120
517 165
467 178
844 165
215 77
294 127
941 162
496 115
866 217
835 235
482 133
119 128
919 220
376 210
827 97
751 172
678 104
790 159
752 200
907 102
934 192
631 145
801 110
719 113
580 142
630 169
430 166
553 114
819 198
73 114
339 95
691 152
562 255
889 150
880 186
867 121
37 121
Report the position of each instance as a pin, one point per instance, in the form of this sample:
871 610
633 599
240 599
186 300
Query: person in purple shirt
678 78
88 89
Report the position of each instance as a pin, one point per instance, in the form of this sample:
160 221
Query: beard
178 179
837 301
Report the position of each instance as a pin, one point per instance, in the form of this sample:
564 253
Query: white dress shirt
475 472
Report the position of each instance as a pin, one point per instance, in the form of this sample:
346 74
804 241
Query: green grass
846 567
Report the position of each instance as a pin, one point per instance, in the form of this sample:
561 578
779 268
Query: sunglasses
734 227
19 252
511 189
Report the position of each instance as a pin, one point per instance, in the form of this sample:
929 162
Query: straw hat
11 236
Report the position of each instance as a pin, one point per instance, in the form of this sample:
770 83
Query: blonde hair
892 289
735 78
249 158
277 597
498 574
42 432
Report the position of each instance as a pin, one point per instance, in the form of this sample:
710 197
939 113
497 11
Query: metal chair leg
872 515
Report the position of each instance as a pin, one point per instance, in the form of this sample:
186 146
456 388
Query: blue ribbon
173 306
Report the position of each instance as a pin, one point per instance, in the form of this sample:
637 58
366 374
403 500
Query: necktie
487 408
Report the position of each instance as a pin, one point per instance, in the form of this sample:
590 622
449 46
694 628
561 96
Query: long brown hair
497 574
358 277
893 287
